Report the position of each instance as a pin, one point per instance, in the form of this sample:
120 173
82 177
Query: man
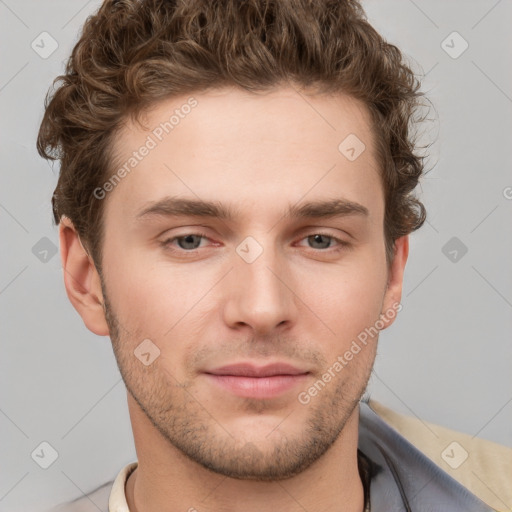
234 200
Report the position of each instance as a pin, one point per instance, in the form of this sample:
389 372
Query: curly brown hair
133 53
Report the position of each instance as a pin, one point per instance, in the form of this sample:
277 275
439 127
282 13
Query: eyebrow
176 207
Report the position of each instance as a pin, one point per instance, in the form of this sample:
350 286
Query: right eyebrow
176 206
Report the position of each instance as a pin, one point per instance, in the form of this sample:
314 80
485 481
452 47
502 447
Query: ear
81 279
391 303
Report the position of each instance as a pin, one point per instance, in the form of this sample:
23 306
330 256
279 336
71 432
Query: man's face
254 289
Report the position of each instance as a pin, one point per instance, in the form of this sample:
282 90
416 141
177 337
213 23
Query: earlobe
392 297
81 279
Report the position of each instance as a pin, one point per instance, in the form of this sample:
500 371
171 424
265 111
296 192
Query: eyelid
341 244
167 241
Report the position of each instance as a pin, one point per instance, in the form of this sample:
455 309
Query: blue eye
187 242
324 240
321 239
191 242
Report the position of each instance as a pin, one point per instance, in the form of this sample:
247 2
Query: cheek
163 301
149 296
347 300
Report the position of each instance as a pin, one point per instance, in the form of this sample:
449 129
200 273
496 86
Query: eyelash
342 245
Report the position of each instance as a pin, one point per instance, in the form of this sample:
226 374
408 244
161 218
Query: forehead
239 147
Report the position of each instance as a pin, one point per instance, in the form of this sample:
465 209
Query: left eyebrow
176 206
325 209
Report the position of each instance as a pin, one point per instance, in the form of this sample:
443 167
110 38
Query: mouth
251 381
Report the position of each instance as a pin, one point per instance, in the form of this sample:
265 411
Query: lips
250 370
251 381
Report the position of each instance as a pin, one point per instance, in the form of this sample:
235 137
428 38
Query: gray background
446 360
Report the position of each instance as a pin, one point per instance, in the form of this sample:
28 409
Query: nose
260 294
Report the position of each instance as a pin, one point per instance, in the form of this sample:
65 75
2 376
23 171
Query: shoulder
480 466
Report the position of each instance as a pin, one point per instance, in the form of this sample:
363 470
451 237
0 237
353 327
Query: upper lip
251 370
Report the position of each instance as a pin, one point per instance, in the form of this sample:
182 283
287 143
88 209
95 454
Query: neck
165 480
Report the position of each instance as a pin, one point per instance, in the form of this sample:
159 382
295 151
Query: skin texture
300 301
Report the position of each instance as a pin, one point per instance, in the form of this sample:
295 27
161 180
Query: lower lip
258 387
